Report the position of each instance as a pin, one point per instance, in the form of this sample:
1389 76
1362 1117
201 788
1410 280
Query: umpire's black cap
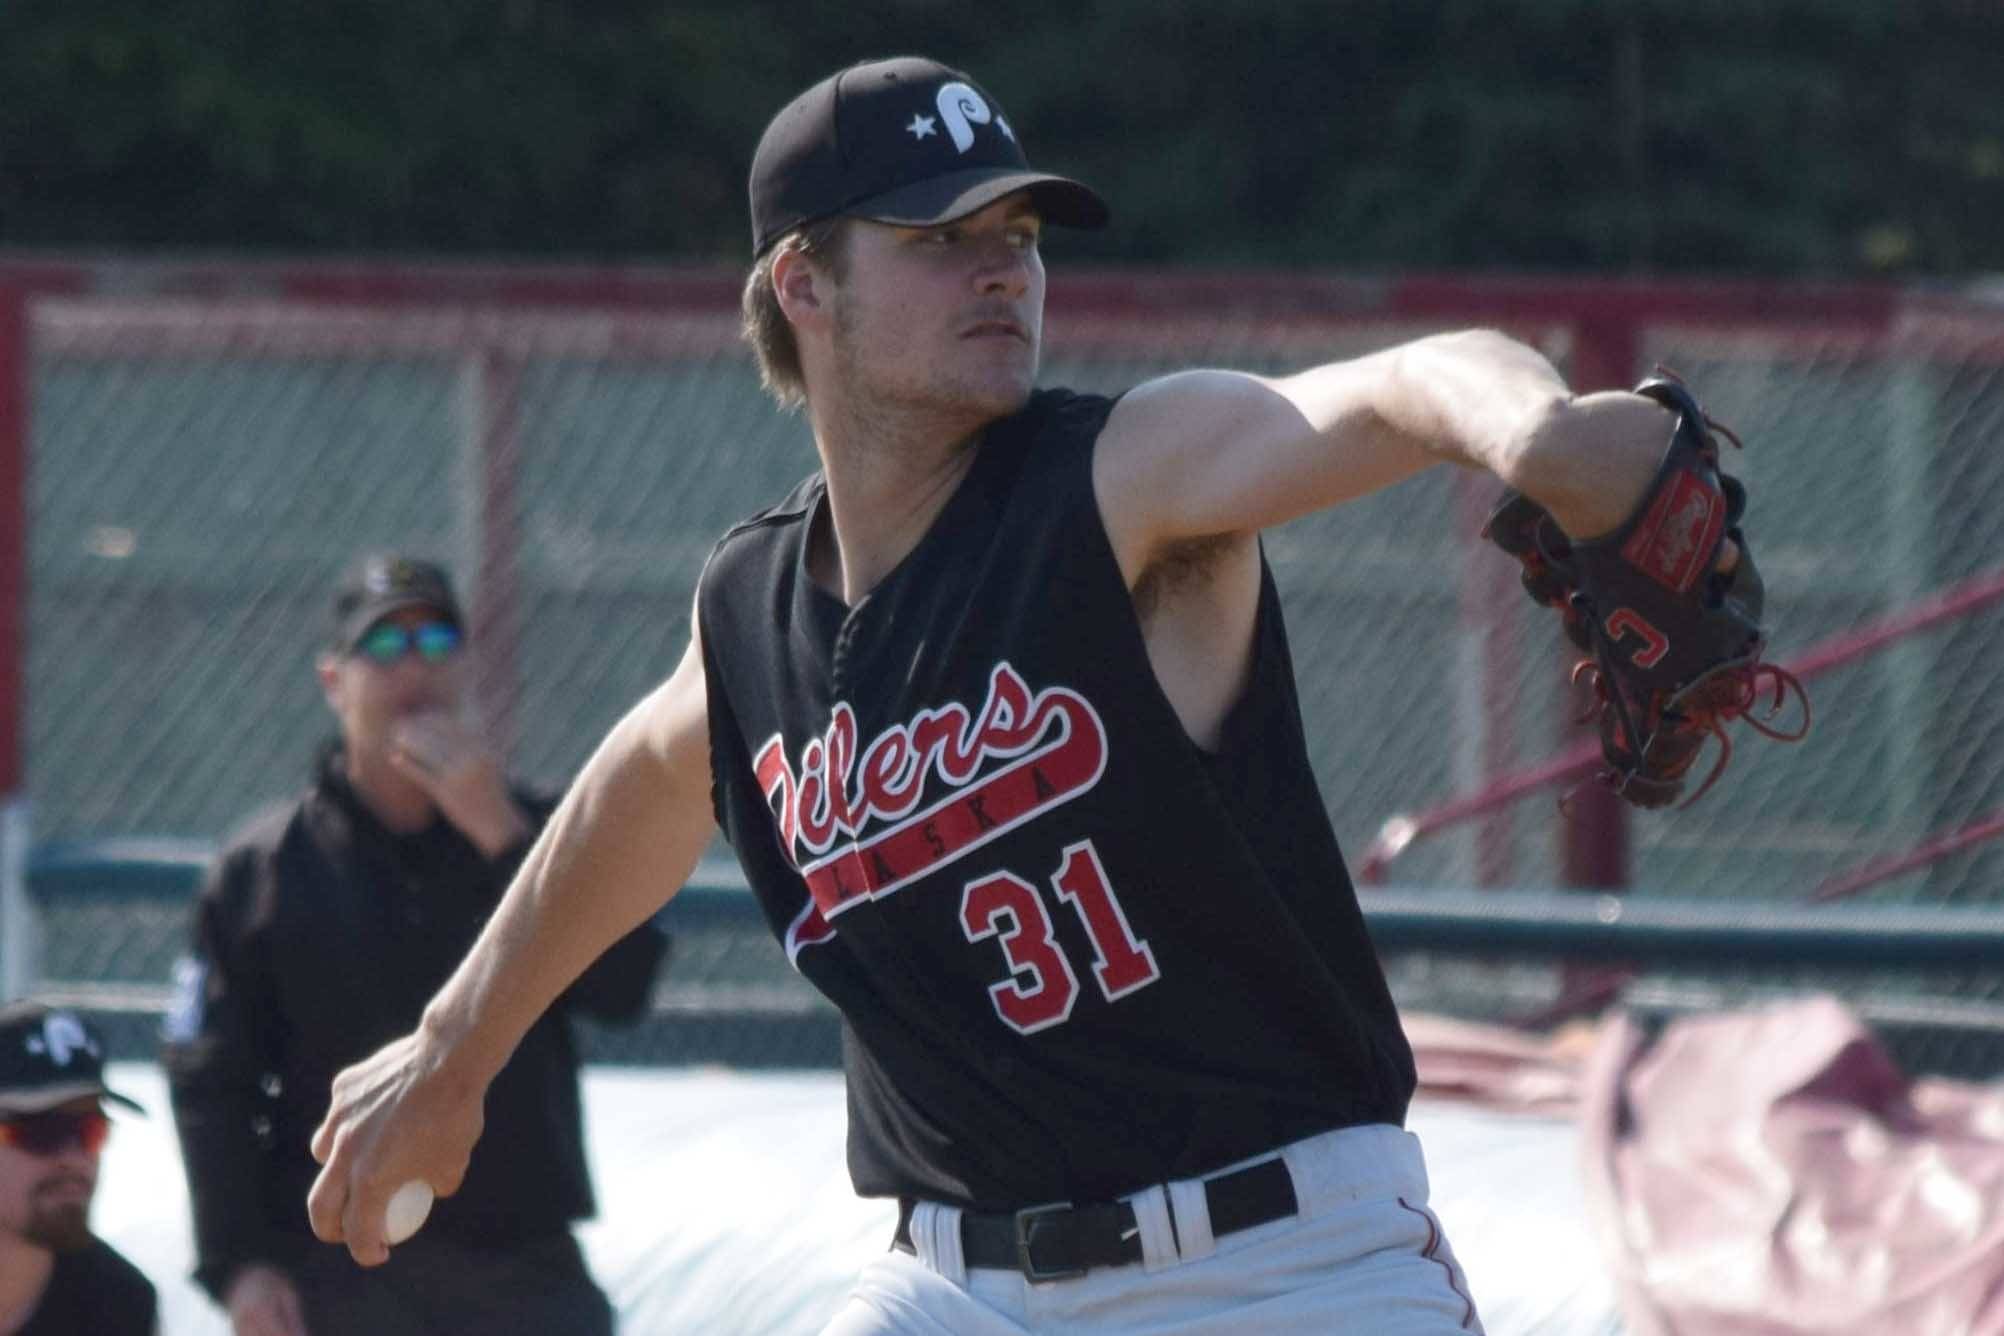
905 140
380 583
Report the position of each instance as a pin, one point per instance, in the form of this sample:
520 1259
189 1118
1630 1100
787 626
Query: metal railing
115 912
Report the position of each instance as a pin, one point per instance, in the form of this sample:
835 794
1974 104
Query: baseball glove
1673 647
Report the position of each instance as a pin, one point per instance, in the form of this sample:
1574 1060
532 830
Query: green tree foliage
1776 136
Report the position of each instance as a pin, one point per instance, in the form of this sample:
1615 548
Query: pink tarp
1765 1173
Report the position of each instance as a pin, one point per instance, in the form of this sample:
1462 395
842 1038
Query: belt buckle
1036 1275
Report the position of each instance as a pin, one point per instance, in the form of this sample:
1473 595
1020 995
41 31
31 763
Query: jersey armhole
723 724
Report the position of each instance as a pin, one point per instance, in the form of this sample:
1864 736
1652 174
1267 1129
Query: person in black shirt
56 1277
997 712
324 924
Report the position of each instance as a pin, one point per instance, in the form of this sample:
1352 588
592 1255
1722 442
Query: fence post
1594 827
490 459
1487 597
20 926
20 944
13 529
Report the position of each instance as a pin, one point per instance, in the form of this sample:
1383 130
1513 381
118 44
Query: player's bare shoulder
1158 462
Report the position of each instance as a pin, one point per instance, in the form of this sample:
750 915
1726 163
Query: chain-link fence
1877 481
200 470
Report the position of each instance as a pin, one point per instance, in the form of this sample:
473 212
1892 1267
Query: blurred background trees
1792 137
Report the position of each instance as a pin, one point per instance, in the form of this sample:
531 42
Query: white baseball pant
1364 1254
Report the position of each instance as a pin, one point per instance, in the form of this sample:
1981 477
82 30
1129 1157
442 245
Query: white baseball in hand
409 1205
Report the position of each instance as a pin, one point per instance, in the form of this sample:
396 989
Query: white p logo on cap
962 109
66 1037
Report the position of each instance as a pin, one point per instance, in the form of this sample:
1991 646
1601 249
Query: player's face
45 1195
948 317
369 692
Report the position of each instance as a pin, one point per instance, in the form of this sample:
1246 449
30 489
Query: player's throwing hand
396 1116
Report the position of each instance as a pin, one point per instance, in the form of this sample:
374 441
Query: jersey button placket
838 667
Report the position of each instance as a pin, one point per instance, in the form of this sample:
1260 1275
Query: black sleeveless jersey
1075 953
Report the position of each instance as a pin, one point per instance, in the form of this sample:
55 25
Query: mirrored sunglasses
53 1133
387 642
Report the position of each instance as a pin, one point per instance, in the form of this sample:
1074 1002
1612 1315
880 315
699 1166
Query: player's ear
803 287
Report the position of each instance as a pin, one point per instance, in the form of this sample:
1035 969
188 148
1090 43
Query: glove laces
1731 691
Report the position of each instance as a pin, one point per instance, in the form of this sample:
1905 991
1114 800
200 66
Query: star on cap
921 126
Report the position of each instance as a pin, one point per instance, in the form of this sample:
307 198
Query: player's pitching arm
1191 467
624 840
1205 453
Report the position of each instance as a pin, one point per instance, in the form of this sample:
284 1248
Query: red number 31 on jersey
1043 986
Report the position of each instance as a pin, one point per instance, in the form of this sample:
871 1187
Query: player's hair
766 327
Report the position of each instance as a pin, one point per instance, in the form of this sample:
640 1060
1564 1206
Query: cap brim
43 1099
942 199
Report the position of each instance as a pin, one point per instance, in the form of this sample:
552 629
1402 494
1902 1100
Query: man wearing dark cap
323 926
56 1277
997 712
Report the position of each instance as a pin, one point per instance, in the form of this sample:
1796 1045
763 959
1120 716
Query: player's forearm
1590 463
1476 397
1483 399
623 841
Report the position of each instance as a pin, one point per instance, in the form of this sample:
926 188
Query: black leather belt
1059 1242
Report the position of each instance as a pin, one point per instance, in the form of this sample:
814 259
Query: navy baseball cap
382 583
48 1057
905 140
